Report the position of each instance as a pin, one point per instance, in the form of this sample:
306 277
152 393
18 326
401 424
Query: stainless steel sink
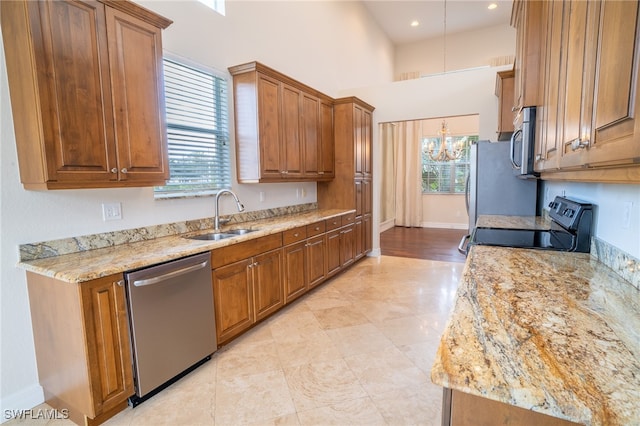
213 237
216 236
240 231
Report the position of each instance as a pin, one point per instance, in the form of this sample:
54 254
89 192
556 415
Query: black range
570 230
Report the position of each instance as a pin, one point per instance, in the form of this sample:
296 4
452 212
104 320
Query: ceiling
395 17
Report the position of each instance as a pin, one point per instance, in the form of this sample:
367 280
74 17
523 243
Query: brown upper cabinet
284 129
87 93
588 129
526 18
504 92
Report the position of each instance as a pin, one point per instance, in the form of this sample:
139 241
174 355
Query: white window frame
199 131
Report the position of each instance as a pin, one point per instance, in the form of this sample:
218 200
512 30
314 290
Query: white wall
464 50
327 45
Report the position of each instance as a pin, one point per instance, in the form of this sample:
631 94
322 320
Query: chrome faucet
216 218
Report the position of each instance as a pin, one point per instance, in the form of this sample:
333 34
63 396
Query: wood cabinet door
613 138
295 280
359 197
358 238
549 123
527 20
368 232
347 245
291 143
233 299
366 144
269 129
311 136
268 290
76 105
334 260
108 342
580 25
135 51
316 259
358 144
327 142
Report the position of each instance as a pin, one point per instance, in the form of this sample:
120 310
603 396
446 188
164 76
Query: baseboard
388 224
375 253
17 403
444 225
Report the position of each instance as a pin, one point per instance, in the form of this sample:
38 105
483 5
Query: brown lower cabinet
83 351
247 284
463 409
253 279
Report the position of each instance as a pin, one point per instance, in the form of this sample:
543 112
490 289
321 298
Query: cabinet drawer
294 235
244 250
316 228
348 218
334 223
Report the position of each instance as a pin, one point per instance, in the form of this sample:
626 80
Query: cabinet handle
124 170
120 283
114 170
514 109
320 173
317 228
296 234
577 144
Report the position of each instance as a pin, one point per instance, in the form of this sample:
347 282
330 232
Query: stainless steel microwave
523 143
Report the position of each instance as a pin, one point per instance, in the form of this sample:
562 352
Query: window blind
198 131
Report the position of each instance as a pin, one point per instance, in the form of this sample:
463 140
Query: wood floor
422 243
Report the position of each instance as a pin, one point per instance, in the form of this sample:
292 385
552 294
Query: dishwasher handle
462 248
169 275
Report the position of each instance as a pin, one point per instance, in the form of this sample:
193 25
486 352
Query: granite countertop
513 222
91 264
554 332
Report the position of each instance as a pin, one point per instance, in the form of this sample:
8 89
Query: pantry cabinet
86 86
588 129
82 330
352 186
284 129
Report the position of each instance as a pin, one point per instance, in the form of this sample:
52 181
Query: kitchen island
554 333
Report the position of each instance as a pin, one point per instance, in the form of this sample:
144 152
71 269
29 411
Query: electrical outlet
261 196
111 211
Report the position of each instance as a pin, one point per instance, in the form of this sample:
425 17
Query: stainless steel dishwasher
172 321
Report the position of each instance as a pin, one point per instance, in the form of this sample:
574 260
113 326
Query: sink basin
213 237
216 236
240 231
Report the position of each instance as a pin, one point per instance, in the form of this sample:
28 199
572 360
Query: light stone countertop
91 264
513 222
553 332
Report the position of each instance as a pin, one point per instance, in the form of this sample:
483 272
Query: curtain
407 149
388 185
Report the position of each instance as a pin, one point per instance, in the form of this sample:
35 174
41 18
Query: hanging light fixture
443 153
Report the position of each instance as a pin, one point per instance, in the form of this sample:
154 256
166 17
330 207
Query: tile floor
356 350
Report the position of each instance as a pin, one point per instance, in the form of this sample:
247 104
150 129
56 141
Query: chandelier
445 153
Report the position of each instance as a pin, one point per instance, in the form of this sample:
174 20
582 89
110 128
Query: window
198 132
217 5
446 177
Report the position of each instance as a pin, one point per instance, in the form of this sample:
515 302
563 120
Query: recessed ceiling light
415 23
492 6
